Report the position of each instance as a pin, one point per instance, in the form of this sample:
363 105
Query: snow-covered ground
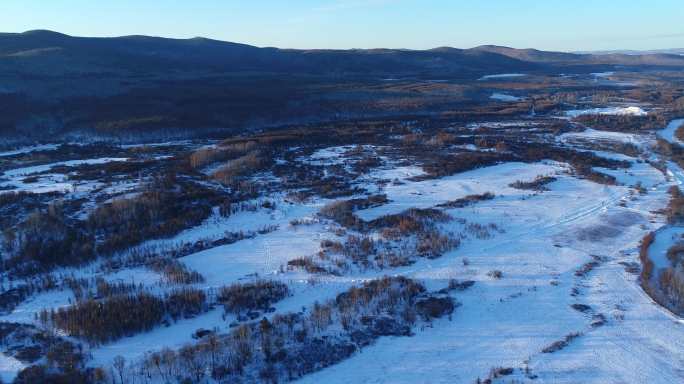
631 111
33 148
596 135
49 182
669 132
156 145
26 171
332 155
504 124
545 239
505 97
174 336
262 255
603 74
9 366
638 173
429 193
507 322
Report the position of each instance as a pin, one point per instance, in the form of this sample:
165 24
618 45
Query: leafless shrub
676 254
175 272
481 231
675 208
499 372
291 345
244 165
586 268
306 263
209 155
342 211
495 274
467 201
560 344
538 184
647 264
456 285
259 295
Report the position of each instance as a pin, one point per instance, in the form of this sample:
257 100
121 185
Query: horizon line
599 51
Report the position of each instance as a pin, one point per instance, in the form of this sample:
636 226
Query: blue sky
545 24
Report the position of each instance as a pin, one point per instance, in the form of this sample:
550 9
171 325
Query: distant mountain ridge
55 85
655 58
141 53
51 53
669 51
531 55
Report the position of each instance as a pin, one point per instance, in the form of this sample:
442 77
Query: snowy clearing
596 135
505 97
34 148
628 111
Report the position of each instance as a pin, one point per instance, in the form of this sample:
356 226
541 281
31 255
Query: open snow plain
546 259
543 297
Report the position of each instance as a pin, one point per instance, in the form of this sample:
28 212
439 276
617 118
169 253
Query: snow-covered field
34 148
507 322
49 182
593 135
502 76
544 293
524 124
631 111
429 193
9 366
603 74
504 97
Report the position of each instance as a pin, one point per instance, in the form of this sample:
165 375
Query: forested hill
53 85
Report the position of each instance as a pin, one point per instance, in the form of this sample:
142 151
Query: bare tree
191 358
120 365
213 345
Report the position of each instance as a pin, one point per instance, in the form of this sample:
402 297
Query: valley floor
556 294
